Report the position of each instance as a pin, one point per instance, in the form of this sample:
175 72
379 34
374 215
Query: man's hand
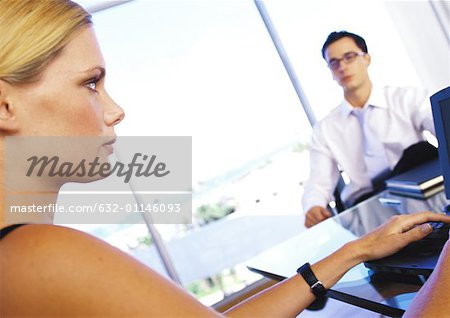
316 215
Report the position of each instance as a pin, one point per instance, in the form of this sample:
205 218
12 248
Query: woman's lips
110 142
347 78
109 145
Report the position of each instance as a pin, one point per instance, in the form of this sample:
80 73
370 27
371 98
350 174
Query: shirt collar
376 99
346 108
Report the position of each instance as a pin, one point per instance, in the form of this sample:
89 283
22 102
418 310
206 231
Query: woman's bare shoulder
51 243
35 238
28 233
55 270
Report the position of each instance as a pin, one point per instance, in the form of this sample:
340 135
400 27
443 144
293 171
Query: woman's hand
395 234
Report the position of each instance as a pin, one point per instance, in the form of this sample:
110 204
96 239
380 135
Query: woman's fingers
409 221
398 232
417 233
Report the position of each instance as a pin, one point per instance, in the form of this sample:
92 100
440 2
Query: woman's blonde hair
33 32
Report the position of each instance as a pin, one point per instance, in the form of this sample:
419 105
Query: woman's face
69 99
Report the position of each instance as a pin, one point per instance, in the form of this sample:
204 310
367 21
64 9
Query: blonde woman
52 84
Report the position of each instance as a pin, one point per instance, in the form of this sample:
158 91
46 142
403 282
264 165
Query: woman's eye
92 85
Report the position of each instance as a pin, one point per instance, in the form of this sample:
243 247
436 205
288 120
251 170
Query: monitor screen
440 104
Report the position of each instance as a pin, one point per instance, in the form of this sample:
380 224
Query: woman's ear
8 120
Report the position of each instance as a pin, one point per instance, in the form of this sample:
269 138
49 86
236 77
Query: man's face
349 75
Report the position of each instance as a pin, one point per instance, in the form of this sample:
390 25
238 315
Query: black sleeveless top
5 231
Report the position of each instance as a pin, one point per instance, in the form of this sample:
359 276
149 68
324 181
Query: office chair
339 205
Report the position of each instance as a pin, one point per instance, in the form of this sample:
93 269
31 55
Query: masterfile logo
100 179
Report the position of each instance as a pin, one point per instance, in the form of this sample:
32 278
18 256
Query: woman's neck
24 200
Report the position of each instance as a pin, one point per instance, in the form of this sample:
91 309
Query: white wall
425 38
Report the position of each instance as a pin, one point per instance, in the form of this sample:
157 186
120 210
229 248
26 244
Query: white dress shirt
397 118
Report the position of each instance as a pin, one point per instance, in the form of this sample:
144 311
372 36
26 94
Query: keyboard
432 243
440 231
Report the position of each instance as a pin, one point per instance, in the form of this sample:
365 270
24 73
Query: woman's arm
290 297
55 271
293 295
432 299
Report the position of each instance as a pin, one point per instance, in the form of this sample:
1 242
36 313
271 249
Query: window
208 69
304 27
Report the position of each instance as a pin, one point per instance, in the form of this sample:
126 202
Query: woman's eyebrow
100 69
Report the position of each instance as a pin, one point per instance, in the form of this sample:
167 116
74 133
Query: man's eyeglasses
348 58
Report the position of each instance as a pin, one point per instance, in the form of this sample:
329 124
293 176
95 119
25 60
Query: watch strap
316 285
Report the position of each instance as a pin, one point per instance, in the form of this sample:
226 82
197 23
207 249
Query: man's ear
8 120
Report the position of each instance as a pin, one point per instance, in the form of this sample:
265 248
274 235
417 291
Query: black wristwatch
316 285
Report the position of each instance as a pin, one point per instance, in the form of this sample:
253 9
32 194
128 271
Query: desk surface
321 240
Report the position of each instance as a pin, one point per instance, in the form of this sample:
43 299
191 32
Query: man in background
364 136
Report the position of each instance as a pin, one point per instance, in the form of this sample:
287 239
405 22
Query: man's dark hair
334 36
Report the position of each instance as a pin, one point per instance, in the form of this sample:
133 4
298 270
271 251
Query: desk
383 296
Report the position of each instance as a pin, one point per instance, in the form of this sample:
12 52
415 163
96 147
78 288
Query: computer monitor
440 105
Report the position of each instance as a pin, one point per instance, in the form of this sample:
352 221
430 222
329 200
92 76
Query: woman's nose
113 114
